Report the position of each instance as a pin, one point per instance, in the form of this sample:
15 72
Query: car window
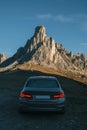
42 83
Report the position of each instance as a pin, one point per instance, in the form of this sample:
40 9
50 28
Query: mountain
44 51
3 57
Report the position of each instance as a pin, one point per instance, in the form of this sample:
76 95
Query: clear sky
65 21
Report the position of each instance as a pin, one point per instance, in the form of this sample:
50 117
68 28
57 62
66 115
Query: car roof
42 77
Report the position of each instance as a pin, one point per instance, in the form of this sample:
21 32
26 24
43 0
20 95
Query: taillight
60 95
25 95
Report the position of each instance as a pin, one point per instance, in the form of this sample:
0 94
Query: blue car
42 93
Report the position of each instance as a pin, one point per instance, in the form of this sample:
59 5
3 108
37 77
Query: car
42 93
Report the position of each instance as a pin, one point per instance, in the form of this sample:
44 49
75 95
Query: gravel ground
75 117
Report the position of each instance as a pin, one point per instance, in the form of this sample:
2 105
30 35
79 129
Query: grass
32 67
71 75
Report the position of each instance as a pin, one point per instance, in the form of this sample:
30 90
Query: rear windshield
42 83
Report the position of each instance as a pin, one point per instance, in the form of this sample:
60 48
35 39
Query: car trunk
41 93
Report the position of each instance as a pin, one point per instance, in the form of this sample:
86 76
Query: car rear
42 94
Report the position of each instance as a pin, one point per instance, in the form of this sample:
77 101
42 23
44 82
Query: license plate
42 97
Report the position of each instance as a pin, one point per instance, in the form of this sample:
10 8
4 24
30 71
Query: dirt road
75 117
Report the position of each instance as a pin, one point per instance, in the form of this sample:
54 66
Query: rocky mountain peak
40 31
40 34
40 39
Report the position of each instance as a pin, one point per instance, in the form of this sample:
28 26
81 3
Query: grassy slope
28 66
70 75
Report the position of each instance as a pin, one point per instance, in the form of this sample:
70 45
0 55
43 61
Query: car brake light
25 95
60 95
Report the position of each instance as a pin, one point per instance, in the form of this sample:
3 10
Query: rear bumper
42 105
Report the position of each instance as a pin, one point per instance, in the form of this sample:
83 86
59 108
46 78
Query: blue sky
65 21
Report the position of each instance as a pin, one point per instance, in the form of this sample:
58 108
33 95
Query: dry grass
30 66
67 74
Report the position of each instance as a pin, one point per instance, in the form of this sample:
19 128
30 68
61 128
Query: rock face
43 50
3 57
